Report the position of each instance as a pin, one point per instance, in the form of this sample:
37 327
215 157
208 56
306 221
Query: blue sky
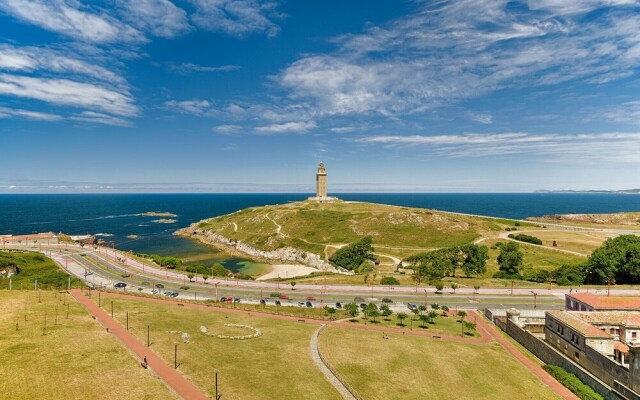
248 95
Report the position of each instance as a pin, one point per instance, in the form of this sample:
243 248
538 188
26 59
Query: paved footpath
171 377
331 377
536 369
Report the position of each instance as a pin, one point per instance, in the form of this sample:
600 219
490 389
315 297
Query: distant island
156 214
627 191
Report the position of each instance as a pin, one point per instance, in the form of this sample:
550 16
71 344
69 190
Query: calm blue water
115 214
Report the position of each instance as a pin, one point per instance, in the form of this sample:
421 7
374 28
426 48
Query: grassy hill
320 227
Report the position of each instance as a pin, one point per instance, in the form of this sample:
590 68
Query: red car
229 299
311 298
283 297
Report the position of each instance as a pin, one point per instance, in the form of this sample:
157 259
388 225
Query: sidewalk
170 376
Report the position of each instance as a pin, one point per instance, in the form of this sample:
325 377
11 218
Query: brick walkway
172 378
536 369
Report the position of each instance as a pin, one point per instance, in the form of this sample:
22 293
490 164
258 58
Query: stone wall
549 355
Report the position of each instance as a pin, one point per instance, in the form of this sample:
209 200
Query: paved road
107 266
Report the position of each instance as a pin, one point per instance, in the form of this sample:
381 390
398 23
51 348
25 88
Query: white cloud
64 92
288 127
30 59
447 51
190 67
618 147
628 112
100 118
6 112
236 17
483 118
69 18
158 17
227 129
197 107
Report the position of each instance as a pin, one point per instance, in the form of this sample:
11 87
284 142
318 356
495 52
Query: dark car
160 286
236 299
168 293
363 305
263 301
301 304
411 306
120 285
309 304
223 299
174 294
338 305
278 302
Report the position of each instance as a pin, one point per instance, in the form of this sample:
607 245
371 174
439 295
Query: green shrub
572 383
521 237
389 280
275 294
352 256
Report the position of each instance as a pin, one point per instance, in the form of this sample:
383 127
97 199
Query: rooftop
610 318
608 302
576 323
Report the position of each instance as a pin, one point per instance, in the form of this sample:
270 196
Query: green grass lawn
534 257
34 266
442 325
277 365
409 367
75 359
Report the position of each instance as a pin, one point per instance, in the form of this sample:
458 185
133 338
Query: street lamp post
535 297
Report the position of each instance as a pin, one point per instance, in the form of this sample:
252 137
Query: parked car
120 285
159 285
155 291
339 305
411 306
363 305
263 302
168 293
278 303
311 298
174 294
229 299
301 304
283 297
223 299
236 299
309 304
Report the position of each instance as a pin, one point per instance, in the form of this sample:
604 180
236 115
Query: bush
569 275
184 288
539 276
352 256
572 383
275 294
521 237
389 280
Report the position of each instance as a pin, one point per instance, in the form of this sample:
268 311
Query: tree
433 315
401 317
476 287
454 286
445 310
386 311
569 275
424 319
462 314
293 285
352 309
475 261
439 287
389 281
190 276
422 308
435 306
617 260
510 260
372 311
352 256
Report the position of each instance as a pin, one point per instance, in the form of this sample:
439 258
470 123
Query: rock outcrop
283 254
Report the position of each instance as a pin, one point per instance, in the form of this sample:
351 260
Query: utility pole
148 337
175 356
218 396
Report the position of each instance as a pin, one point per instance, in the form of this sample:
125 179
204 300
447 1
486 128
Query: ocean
114 217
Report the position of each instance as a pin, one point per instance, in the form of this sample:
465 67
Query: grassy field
276 365
622 220
581 242
72 358
312 225
427 368
534 257
442 325
34 266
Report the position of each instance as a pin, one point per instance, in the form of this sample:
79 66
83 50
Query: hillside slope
321 228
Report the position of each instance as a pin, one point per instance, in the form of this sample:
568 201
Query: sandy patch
287 271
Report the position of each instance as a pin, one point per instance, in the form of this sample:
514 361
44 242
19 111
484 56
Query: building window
634 335
577 355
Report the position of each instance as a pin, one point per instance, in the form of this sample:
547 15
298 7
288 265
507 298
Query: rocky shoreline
281 255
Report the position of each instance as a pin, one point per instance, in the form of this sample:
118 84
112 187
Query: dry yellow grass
581 242
75 359
405 367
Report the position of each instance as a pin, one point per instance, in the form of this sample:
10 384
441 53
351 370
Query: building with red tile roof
593 302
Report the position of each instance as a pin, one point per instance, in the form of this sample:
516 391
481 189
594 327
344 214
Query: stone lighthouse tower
321 181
